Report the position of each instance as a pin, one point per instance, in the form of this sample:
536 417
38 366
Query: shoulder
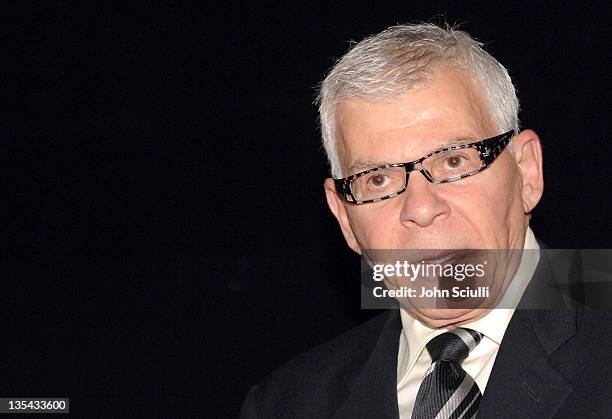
330 357
314 382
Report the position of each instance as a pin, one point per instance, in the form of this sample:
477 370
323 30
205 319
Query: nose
422 204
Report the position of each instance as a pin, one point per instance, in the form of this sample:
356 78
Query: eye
454 161
378 180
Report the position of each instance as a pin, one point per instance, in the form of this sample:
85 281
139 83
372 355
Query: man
392 109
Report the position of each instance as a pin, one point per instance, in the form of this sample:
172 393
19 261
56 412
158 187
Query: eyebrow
457 141
361 165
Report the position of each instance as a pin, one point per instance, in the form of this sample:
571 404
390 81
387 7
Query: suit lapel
374 391
524 382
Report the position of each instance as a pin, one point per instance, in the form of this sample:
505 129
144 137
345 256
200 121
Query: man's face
484 211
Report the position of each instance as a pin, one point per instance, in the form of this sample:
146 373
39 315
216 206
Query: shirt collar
416 334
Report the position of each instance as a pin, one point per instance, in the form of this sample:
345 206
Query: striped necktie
447 391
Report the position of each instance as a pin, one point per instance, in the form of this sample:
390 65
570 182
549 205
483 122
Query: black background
167 238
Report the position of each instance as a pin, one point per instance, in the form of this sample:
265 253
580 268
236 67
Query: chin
438 318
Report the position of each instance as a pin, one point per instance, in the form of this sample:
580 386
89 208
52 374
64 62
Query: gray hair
401 57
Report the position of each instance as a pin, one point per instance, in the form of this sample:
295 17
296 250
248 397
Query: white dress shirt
413 361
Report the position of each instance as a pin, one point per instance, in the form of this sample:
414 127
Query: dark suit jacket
551 363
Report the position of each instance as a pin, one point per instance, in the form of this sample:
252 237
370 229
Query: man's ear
338 208
528 156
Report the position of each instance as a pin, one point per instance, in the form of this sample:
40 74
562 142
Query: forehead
451 107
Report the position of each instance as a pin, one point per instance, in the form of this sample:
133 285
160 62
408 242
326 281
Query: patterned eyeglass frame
489 149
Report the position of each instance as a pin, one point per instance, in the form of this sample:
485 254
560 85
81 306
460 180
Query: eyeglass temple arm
493 148
343 189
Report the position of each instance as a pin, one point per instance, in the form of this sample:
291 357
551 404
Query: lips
438 256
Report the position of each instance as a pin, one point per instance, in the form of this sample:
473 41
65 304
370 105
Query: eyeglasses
441 166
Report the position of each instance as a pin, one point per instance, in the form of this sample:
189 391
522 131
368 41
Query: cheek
373 229
498 211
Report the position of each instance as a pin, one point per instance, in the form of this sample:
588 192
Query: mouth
440 256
